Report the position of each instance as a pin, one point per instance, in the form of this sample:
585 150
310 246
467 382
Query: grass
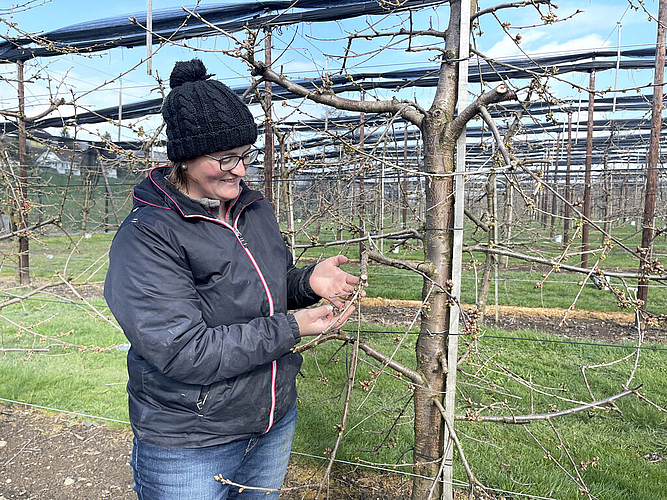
515 288
379 431
507 456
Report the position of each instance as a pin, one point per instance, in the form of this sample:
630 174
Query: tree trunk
23 210
431 350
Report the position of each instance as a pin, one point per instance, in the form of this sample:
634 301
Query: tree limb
404 109
501 93
421 267
407 233
540 260
52 220
476 220
508 5
414 376
522 419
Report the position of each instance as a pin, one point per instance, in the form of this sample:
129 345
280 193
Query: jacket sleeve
299 292
150 290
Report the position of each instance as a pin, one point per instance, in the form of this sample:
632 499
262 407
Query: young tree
440 127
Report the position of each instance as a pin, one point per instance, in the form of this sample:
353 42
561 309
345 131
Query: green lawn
89 377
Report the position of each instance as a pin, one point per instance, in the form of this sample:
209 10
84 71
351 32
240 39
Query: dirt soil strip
54 456
45 456
607 327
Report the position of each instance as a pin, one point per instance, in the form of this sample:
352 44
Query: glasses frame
248 158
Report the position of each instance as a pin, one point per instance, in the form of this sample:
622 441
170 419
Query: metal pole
362 161
495 242
568 187
405 177
149 36
382 207
554 201
654 153
120 106
618 65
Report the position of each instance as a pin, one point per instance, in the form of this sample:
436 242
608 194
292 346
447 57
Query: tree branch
414 376
540 260
501 93
508 5
522 419
421 267
52 220
407 233
475 219
404 109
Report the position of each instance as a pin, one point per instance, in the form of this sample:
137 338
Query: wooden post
568 185
587 176
654 154
554 198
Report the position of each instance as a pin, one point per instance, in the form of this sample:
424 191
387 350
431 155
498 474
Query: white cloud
507 48
592 41
530 43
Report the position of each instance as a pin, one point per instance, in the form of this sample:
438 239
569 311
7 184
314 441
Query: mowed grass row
84 258
607 447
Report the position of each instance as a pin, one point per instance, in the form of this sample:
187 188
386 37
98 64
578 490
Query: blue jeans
188 473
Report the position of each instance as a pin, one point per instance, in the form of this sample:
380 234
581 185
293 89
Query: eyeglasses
230 162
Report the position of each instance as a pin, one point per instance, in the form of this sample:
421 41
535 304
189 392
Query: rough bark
439 142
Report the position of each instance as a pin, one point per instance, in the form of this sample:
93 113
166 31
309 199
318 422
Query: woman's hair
176 175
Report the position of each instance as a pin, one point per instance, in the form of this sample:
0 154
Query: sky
309 53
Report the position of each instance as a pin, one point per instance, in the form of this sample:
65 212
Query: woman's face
206 180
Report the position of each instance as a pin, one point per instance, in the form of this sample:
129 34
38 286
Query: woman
200 281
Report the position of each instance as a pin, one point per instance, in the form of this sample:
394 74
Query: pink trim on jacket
145 202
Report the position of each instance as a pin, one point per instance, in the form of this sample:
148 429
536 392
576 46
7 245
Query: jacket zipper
274 363
203 396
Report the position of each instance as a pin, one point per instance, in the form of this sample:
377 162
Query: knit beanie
203 116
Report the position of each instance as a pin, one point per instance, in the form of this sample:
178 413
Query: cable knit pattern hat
203 116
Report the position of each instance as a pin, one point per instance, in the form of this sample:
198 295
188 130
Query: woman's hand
316 320
332 283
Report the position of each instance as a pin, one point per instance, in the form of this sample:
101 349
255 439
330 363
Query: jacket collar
157 191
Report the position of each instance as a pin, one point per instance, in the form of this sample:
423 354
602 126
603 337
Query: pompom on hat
203 116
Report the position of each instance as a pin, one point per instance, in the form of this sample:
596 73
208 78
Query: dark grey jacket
204 305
